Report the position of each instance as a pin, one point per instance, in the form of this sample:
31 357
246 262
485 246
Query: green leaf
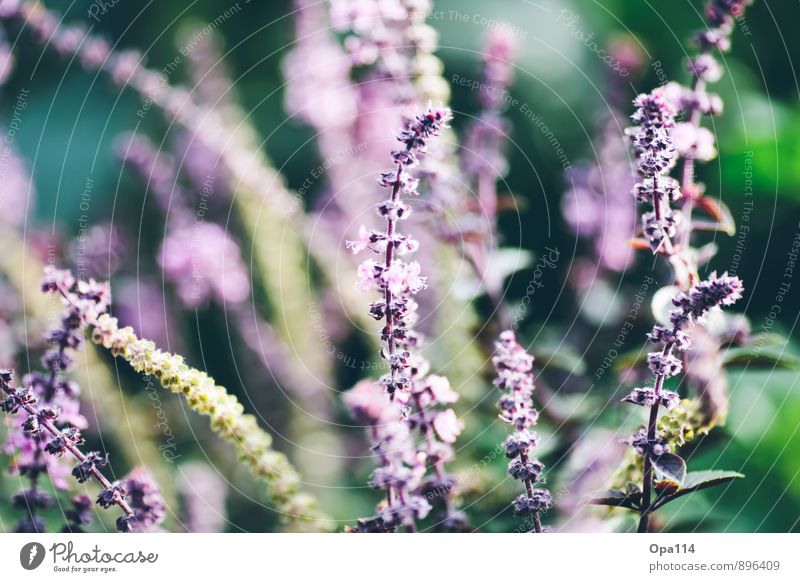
670 468
703 479
765 350
630 499
697 480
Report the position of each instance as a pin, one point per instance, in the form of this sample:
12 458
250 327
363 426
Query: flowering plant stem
253 445
271 215
391 344
687 172
647 482
691 308
125 419
514 366
406 383
45 423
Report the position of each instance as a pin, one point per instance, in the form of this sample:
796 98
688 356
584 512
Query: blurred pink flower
447 425
204 263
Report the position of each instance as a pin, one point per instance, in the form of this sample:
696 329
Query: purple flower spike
145 500
395 279
402 462
690 309
655 157
63 443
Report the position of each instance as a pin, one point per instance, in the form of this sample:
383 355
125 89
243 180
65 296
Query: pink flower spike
403 277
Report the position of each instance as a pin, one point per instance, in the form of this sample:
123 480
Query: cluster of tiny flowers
655 157
57 398
692 141
93 52
204 263
396 279
690 308
126 69
402 461
253 446
483 162
200 258
78 515
318 86
721 15
202 493
392 36
400 469
597 206
145 500
85 302
423 397
438 427
158 170
514 368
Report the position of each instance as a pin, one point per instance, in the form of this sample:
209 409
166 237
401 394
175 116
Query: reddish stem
74 450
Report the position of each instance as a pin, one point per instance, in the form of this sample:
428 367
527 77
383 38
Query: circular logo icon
31 555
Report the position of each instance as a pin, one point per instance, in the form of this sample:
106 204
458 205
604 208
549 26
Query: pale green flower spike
253 445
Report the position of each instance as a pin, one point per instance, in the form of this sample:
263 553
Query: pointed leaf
667 487
618 498
697 480
762 354
670 468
